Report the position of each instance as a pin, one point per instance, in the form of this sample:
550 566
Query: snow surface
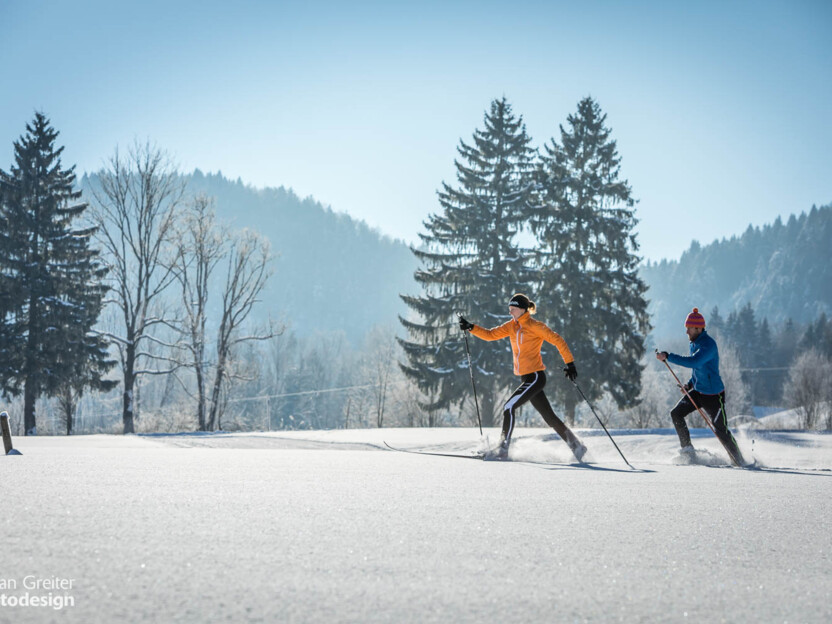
328 526
786 419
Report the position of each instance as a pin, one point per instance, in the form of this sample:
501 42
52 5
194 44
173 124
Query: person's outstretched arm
495 333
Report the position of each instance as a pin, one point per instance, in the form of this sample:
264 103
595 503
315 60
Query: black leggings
714 406
531 390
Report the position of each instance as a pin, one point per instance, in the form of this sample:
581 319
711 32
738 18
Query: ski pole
578 388
471 370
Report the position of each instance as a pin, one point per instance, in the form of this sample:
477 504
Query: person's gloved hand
465 325
688 386
571 372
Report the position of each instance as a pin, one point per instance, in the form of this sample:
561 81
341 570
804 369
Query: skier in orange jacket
527 335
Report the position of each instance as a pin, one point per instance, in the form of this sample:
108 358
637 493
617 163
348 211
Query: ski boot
498 454
687 454
578 449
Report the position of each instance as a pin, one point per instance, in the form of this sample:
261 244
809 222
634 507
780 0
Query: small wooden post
7 433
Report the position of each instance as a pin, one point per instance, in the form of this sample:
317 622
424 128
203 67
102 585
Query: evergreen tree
818 336
589 290
785 344
56 277
731 330
10 292
766 382
765 344
825 345
744 333
471 263
715 322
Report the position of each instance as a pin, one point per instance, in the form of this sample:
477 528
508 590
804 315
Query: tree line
784 365
135 304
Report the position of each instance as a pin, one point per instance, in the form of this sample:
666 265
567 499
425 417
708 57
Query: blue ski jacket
704 360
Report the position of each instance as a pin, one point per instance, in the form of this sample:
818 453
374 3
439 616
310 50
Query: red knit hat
695 319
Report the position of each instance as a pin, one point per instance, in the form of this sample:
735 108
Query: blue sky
720 109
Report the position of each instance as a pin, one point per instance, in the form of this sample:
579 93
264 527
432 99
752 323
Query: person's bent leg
542 405
531 384
716 410
678 414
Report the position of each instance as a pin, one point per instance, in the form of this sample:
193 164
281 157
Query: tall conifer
55 278
589 288
471 263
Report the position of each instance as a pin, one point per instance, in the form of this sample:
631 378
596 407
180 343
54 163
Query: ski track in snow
331 526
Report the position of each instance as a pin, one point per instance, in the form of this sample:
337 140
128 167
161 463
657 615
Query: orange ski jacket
526 335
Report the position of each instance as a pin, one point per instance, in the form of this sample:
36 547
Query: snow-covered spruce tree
471 263
55 276
589 290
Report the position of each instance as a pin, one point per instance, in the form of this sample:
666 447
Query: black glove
465 325
688 386
571 372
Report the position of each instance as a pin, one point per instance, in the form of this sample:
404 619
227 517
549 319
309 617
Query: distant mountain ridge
782 269
332 272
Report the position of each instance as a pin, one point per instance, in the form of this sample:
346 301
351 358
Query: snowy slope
327 526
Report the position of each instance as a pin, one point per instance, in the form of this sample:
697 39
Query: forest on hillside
332 273
781 269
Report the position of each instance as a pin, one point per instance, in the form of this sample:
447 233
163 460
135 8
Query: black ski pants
714 406
531 391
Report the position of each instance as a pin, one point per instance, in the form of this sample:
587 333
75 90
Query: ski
436 453
485 457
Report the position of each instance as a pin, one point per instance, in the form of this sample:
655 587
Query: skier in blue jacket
705 386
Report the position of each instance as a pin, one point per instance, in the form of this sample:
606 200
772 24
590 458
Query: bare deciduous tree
381 348
809 388
200 247
247 273
67 399
135 206
281 351
657 397
412 400
737 393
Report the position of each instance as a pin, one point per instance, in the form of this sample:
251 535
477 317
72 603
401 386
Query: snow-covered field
331 527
